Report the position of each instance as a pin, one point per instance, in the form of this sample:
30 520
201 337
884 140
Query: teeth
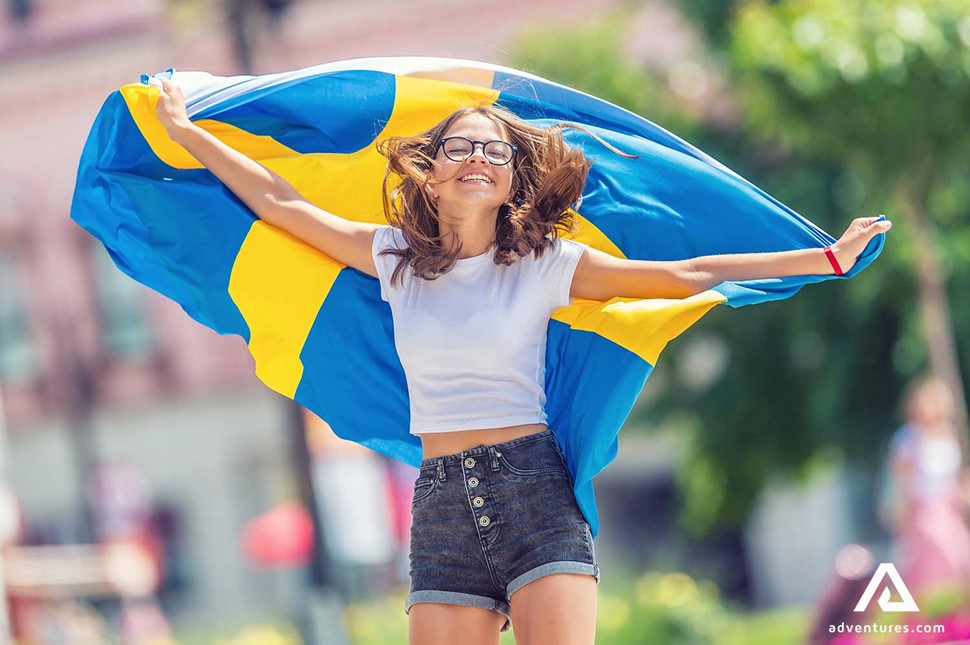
472 177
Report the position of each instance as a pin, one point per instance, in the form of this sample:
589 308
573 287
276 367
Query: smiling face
474 182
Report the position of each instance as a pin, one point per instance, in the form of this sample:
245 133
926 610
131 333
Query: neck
473 230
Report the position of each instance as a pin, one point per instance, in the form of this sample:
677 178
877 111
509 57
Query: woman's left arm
600 276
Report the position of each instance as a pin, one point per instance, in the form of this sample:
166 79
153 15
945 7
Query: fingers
866 222
169 86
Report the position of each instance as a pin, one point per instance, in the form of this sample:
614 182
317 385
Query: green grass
659 608
671 608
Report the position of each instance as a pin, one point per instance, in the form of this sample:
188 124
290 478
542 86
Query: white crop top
473 341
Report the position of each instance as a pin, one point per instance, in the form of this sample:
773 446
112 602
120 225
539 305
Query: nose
478 149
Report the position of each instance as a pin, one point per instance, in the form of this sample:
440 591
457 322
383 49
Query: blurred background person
930 492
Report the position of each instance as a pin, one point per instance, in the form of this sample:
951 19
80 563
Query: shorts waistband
481 450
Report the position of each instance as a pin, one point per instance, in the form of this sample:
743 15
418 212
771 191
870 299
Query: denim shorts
490 519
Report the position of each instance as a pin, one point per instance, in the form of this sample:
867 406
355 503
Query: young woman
472 269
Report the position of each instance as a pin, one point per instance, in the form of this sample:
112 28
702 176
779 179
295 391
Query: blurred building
95 368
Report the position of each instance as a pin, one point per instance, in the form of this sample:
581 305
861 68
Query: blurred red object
279 538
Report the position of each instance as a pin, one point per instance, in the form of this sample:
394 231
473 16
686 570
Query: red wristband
833 261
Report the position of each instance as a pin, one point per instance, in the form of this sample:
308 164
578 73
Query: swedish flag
318 330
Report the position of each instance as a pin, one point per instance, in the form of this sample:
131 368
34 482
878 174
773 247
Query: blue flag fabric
318 330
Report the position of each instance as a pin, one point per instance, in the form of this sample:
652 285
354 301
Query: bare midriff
436 444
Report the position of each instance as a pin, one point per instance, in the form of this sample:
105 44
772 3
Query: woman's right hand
171 106
267 194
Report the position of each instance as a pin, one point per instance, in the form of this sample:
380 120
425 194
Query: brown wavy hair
547 180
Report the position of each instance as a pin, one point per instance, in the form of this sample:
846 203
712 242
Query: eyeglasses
498 153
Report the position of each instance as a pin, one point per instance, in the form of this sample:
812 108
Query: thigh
452 582
559 609
440 624
544 531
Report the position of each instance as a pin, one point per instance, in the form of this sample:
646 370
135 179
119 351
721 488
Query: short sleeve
556 268
385 237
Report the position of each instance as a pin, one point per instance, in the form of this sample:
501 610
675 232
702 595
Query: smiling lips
474 176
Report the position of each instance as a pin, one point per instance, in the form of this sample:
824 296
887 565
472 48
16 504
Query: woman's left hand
855 239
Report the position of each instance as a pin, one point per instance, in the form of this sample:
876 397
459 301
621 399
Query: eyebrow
469 136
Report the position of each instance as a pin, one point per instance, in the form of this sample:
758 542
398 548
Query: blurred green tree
882 89
815 378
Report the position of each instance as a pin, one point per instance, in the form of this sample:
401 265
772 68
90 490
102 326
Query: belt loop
557 443
493 458
441 469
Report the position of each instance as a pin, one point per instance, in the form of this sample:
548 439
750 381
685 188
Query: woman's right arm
269 196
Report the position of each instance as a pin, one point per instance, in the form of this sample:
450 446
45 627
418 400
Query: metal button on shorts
469 463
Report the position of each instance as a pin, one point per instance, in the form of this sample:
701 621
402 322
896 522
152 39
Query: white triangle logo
887 569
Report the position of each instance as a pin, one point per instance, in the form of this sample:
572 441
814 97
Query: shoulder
560 247
570 247
560 255
555 269
903 442
387 236
564 252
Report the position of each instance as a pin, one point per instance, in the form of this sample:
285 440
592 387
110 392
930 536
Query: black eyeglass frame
475 144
